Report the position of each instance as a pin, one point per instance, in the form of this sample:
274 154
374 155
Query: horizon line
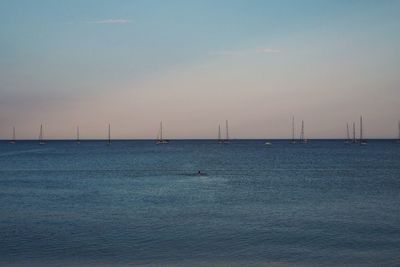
189 139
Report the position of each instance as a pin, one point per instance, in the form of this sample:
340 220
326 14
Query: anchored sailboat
226 141
160 139
362 141
219 134
41 141
302 139
398 140
293 140
348 134
354 133
109 134
12 141
78 141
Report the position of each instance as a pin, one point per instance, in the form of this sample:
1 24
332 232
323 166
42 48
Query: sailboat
160 140
354 133
348 134
362 142
398 140
109 134
226 141
302 139
41 141
219 134
293 140
78 141
12 141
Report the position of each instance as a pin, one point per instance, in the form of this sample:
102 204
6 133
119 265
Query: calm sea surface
135 203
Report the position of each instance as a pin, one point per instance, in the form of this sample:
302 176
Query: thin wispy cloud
265 50
111 21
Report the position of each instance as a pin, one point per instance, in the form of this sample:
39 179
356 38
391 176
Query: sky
195 64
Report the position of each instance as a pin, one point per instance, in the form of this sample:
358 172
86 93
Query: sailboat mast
348 133
302 131
161 137
77 134
354 132
361 130
109 134
227 130
219 132
292 129
41 133
399 133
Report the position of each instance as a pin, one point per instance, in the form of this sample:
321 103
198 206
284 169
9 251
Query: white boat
268 143
160 140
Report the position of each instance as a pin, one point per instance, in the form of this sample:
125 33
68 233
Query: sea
199 203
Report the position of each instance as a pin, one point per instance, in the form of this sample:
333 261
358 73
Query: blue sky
194 64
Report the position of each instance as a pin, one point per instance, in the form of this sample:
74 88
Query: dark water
136 203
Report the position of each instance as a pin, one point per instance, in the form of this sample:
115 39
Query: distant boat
219 134
78 141
354 133
12 141
41 140
160 139
226 141
398 140
109 134
362 141
268 143
293 140
302 139
348 134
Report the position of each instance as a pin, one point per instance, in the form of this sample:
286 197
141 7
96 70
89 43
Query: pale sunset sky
194 64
